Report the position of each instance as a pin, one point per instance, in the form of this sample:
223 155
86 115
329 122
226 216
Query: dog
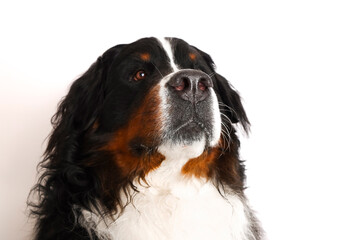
145 146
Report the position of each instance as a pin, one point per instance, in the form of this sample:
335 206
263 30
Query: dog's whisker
157 69
212 74
227 108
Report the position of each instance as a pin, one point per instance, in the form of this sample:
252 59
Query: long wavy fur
75 171
65 181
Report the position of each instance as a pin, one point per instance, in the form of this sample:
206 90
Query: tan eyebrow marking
145 57
192 56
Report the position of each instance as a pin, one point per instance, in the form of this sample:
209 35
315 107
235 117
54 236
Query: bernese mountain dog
144 146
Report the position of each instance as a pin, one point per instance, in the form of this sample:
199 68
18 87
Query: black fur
99 102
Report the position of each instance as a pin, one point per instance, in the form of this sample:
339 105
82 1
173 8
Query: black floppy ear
80 108
65 181
230 102
84 100
229 99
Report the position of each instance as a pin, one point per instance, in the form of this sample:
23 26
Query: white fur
167 47
175 207
216 119
164 105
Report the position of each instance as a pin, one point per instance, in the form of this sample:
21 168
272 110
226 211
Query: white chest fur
201 213
172 207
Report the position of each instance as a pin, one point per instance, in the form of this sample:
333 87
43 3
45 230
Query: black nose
191 85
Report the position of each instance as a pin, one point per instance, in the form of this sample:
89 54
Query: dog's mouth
189 131
191 127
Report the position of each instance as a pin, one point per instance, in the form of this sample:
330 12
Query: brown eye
139 75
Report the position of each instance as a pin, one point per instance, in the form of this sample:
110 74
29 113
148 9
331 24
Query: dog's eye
139 75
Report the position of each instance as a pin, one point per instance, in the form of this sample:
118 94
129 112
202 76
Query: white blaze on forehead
168 49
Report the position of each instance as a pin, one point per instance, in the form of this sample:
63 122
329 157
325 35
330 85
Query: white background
295 63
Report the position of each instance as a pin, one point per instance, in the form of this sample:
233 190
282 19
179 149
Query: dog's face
164 92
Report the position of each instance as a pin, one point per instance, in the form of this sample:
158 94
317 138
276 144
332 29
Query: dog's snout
190 85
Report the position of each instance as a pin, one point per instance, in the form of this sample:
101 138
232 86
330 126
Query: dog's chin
189 139
185 148
189 132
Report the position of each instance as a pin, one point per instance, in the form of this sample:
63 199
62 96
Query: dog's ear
230 102
79 109
64 179
76 114
229 99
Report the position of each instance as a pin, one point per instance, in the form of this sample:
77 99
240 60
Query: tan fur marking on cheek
143 125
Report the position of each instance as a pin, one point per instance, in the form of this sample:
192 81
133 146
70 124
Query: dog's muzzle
190 107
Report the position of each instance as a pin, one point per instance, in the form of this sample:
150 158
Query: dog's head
138 105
